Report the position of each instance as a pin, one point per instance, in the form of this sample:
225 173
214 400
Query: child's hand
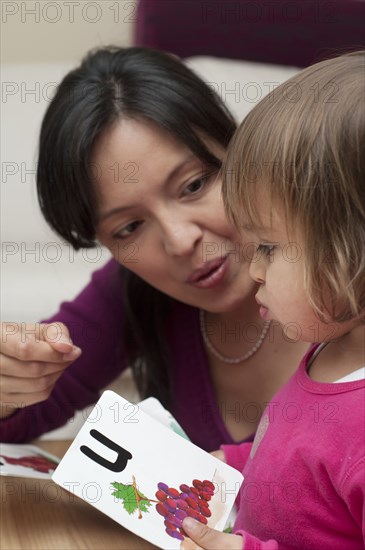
210 539
219 454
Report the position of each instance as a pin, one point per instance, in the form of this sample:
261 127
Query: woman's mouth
211 274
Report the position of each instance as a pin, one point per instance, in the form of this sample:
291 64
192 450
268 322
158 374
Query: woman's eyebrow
109 213
179 167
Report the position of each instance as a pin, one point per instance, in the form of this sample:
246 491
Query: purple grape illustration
174 505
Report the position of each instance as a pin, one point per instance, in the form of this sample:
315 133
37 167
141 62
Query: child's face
278 266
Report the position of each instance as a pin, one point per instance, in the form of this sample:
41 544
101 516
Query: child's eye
266 249
127 230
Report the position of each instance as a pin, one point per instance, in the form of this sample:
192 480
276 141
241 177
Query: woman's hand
204 537
32 358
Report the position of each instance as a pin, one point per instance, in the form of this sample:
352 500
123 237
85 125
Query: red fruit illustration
192 501
38 463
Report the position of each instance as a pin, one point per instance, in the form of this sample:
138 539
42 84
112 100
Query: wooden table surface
38 514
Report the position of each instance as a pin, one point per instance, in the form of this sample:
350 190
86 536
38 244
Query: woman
129 152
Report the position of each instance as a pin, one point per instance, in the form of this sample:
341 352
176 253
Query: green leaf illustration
144 505
132 498
122 491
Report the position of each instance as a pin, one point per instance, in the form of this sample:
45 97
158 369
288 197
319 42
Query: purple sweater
305 471
95 320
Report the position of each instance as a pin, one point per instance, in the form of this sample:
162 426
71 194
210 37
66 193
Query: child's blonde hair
304 145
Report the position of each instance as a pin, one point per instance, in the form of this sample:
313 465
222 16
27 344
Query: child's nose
258 269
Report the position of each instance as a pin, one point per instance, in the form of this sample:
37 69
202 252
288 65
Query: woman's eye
266 249
196 185
127 230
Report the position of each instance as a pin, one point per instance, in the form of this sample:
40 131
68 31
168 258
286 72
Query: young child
295 178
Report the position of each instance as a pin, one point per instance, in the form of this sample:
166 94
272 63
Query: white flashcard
144 475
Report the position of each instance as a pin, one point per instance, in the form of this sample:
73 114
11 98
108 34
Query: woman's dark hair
113 83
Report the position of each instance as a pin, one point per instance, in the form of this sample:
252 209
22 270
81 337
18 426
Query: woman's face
161 214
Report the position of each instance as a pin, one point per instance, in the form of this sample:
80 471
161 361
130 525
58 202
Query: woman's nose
180 236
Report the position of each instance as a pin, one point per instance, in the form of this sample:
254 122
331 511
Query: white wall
41 41
48 31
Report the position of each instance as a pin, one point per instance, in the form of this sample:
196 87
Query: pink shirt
305 471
